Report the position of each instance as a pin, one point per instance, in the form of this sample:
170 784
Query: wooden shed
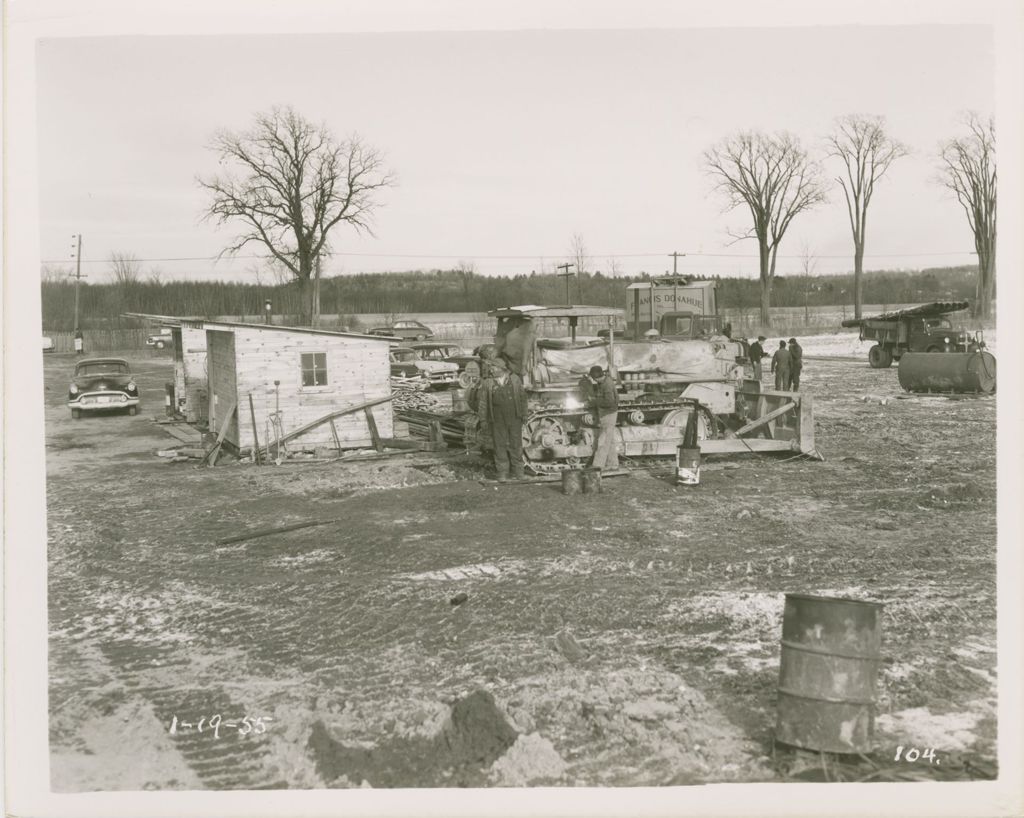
296 377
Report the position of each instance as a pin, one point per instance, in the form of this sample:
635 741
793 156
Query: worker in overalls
502 403
796 365
780 366
600 395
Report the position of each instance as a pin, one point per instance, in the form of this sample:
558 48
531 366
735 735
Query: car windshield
102 368
403 355
438 353
939 323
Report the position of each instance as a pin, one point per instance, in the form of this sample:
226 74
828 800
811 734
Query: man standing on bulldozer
602 398
501 402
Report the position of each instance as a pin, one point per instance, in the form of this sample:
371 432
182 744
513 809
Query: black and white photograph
543 409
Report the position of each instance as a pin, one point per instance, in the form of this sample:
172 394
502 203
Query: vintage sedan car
162 339
406 363
407 330
102 384
468 363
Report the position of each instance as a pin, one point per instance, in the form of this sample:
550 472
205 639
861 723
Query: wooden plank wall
220 346
358 370
193 342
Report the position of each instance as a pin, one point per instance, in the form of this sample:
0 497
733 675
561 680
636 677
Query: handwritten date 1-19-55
215 724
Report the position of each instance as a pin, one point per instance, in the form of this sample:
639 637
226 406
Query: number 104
912 754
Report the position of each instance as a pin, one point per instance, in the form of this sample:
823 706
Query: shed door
223 383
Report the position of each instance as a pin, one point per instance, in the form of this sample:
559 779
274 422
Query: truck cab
685 326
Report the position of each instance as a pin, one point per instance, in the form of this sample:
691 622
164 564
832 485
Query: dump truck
675 306
924 328
662 383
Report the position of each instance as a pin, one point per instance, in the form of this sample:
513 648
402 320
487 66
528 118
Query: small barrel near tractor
948 372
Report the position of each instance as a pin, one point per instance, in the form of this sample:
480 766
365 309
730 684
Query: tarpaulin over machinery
685 362
922 311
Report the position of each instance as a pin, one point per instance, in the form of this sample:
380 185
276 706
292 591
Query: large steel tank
948 372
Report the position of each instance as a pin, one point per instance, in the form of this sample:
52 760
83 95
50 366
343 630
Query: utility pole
675 261
78 272
566 275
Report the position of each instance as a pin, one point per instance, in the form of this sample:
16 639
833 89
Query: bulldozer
662 383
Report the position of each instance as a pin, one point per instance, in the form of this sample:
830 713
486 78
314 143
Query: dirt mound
475 735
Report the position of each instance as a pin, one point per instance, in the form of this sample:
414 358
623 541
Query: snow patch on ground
949 732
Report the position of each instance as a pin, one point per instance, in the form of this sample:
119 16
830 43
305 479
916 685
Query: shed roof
921 311
192 320
301 330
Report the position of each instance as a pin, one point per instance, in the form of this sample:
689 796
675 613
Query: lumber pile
456 429
410 396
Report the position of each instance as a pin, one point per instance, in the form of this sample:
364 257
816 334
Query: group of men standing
499 400
787 363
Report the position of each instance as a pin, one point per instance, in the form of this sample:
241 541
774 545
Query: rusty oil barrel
591 481
572 481
830 656
948 372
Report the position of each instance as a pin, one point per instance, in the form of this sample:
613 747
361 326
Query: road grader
661 384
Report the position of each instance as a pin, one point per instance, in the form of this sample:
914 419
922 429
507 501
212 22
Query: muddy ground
630 638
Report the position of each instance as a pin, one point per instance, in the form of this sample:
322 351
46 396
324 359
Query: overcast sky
506 143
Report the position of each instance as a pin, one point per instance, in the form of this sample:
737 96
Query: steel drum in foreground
948 372
830 656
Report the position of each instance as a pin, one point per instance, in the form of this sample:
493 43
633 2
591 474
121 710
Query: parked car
468 364
409 330
162 339
406 363
101 384
48 344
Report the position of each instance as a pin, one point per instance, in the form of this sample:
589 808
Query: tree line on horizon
289 185
399 293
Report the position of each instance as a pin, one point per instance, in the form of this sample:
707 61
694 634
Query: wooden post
374 434
255 434
334 434
436 436
212 455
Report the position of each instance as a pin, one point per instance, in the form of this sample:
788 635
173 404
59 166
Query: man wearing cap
796 363
756 353
502 404
602 398
780 366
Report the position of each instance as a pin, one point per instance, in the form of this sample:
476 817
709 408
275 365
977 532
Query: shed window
314 368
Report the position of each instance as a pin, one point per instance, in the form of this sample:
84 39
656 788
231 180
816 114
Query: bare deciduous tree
466 269
968 168
579 259
51 274
776 180
290 182
861 143
125 270
808 266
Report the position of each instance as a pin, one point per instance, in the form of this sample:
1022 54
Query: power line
534 257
